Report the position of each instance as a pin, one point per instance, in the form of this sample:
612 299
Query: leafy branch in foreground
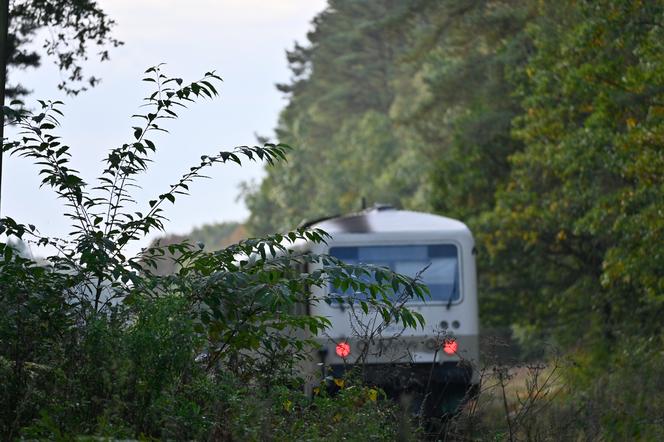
102 228
245 296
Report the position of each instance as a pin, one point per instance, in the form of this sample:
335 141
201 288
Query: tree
72 26
422 119
340 97
467 57
539 127
75 27
575 232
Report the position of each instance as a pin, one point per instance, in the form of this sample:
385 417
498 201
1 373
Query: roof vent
381 207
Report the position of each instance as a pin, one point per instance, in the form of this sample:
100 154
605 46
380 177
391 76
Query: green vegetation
94 343
540 124
76 29
537 123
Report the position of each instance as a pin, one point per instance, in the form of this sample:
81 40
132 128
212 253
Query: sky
244 41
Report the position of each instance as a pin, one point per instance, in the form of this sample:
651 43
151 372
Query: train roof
388 219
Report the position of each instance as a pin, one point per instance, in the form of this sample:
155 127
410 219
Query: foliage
467 57
420 120
74 26
538 125
94 343
397 102
581 202
337 116
356 413
562 401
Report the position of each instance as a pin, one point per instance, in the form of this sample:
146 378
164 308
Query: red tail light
343 349
450 346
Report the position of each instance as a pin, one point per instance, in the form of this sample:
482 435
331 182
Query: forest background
539 124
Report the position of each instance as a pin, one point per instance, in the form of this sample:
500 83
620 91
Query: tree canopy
75 28
540 125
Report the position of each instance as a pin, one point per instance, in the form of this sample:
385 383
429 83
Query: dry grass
508 406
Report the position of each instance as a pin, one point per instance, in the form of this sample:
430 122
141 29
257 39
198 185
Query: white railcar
439 360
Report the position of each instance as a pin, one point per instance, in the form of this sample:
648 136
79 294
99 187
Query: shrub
94 343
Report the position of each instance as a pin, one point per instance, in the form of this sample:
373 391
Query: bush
94 343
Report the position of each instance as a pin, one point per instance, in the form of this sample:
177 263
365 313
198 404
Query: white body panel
395 227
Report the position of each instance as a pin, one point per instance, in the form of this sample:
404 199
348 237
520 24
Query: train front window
441 275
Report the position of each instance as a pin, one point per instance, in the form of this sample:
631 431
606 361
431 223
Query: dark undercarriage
429 389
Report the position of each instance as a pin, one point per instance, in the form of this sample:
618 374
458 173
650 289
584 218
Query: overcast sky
243 40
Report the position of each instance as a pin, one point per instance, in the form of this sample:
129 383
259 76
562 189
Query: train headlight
343 349
450 346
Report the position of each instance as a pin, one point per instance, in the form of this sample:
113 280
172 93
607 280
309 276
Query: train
435 366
